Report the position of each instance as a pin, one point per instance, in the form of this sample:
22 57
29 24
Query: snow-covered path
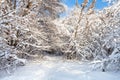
54 69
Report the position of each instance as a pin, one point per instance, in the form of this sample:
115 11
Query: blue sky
99 4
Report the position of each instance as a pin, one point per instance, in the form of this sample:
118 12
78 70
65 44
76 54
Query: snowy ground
54 69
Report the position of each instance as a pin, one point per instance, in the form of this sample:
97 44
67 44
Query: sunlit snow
52 69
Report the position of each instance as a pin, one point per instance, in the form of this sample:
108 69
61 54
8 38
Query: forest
37 43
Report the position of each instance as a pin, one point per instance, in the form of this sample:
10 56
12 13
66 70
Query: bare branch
77 5
92 5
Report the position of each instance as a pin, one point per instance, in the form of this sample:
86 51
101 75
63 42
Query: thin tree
76 3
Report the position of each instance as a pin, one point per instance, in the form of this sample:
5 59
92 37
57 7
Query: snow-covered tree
94 35
26 29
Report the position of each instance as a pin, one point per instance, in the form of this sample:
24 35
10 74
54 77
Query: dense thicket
26 29
94 35
32 28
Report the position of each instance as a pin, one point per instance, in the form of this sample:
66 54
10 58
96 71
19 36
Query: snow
56 69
